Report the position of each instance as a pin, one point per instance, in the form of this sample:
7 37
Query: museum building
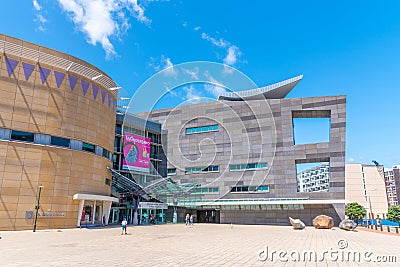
57 120
242 153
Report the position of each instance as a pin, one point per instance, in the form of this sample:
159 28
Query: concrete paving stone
175 245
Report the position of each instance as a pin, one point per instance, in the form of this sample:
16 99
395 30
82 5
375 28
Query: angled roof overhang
273 91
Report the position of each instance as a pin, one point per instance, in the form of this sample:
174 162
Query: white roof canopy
94 197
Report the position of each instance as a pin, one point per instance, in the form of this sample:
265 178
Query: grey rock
347 224
297 223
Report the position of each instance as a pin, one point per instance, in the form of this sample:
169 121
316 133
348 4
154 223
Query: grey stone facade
257 131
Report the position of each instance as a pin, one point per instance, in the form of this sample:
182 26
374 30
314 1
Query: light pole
37 207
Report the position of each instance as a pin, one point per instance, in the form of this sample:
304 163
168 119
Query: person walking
187 219
124 225
191 220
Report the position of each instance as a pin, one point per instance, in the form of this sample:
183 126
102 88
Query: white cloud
100 20
36 5
220 43
194 74
39 19
164 63
197 28
192 95
351 160
232 51
184 24
213 89
232 56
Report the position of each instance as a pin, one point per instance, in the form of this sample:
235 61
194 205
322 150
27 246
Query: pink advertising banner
136 153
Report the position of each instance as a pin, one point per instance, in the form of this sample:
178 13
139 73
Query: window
202 129
106 153
154 152
206 190
155 138
87 147
107 182
59 141
22 136
117 144
211 168
171 171
118 129
248 166
251 189
5 134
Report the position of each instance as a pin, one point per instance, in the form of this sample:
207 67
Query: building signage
153 206
136 153
54 214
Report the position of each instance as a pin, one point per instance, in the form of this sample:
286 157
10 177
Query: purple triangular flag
85 86
59 77
103 96
28 69
11 64
109 100
44 73
72 82
95 91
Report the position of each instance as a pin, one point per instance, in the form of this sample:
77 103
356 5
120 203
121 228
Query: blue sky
343 48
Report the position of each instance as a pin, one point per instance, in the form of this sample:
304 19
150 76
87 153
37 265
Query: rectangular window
248 166
108 182
106 153
87 147
117 144
202 129
22 136
251 189
118 129
59 141
5 134
211 168
172 171
205 190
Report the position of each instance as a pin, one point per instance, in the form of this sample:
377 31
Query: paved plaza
200 245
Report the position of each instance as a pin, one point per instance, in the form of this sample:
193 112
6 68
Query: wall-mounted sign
53 214
136 153
153 205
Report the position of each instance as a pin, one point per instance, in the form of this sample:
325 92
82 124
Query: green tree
355 211
394 214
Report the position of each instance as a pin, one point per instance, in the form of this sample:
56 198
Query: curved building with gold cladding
57 120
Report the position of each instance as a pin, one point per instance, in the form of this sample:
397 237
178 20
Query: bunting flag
72 82
11 64
59 78
44 73
109 100
95 91
28 69
103 96
85 86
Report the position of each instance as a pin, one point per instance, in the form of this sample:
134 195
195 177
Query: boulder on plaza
323 222
297 223
347 224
